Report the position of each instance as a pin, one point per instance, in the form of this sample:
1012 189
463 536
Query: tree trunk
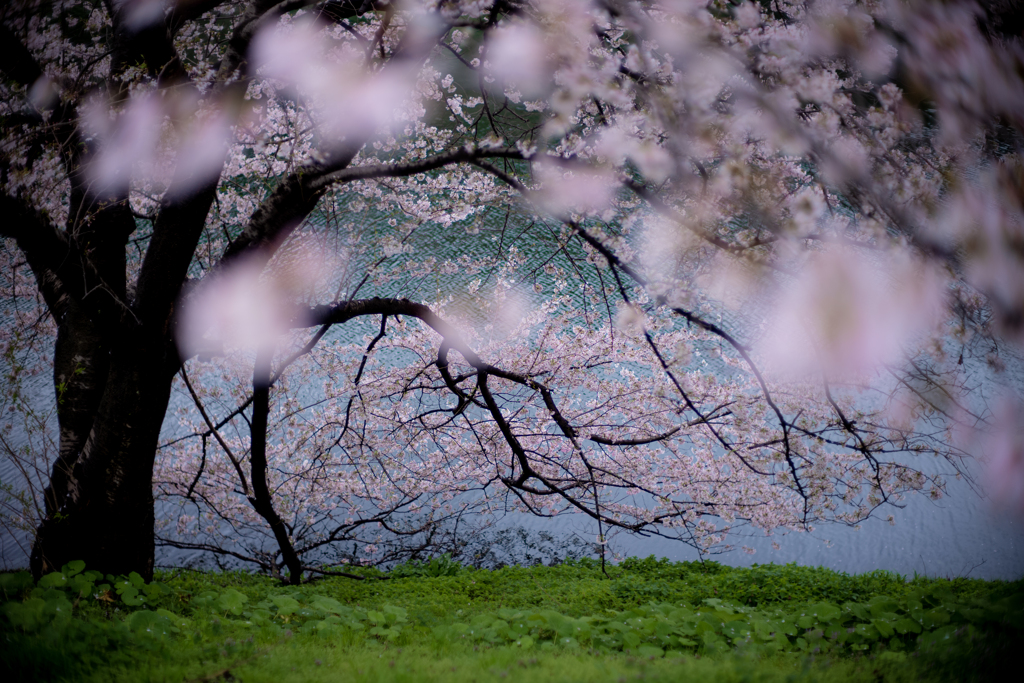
105 513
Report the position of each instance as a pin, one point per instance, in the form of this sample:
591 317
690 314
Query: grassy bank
644 619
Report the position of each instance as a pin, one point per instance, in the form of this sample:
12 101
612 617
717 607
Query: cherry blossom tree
679 266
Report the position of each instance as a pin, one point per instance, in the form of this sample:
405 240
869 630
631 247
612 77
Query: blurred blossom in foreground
125 144
620 142
139 14
1002 451
201 149
563 190
348 98
731 280
156 139
44 93
630 319
249 305
515 54
847 315
987 228
508 307
665 248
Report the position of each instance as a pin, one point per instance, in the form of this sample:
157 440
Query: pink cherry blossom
1002 452
517 53
127 141
848 315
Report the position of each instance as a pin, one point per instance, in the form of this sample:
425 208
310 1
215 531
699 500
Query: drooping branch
451 339
618 264
283 211
661 207
343 10
183 12
216 434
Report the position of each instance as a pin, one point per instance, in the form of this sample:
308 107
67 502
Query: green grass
579 588
647 619
373 662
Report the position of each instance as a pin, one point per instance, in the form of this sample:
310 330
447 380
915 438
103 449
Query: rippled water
959 535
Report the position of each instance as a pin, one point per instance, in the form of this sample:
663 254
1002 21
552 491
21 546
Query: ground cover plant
565 622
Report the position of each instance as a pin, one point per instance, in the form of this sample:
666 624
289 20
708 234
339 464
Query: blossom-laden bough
677 266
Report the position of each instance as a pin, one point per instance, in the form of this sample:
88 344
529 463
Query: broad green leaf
884 627
736 630
904 625
881 604
72 568
836 634
53 580
399 613
326 630
712 641
939 636
388 633
824 611
935 617
860 611
650 651
868 631
175 619
785 625
285 604
481 621
81 585
130 596
326 604
704 627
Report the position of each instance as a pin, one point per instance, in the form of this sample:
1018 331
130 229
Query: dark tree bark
105 514
114 358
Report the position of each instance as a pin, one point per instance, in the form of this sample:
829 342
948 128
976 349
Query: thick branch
371 171
596 438
63 271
